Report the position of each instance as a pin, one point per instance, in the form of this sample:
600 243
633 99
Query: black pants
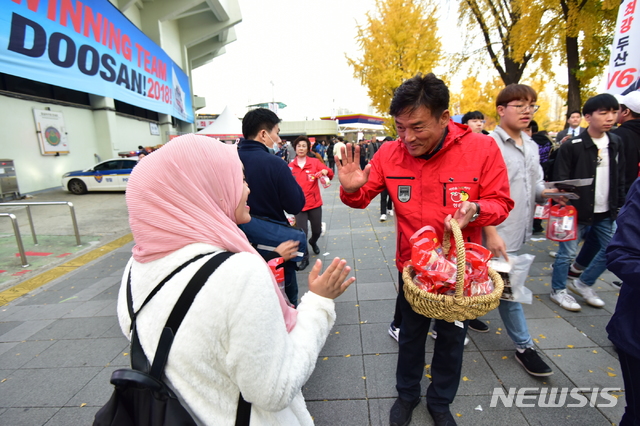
385 202
332 162
446 365
291 282
315 217
631 375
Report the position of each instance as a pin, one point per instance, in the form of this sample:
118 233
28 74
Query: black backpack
141 398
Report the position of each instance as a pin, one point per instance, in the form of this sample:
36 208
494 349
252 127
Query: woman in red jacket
308 171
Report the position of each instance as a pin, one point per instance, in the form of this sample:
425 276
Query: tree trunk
573 63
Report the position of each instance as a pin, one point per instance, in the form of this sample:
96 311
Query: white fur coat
232 339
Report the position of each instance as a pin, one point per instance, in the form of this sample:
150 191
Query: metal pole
33 229
51 203
16 231
75 222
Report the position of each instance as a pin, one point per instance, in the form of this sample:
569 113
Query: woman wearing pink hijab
239 334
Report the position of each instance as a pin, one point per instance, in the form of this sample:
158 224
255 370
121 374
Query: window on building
23 86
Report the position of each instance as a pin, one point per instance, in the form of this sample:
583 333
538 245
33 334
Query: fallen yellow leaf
364 377
325 358
590 371
499 329
542 336
570 346
611 374
83 404
609 368
505 357
497 332
458 414
427 375
337 332
3 380
347 356
465 379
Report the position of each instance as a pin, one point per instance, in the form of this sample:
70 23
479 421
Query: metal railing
47 203
16 231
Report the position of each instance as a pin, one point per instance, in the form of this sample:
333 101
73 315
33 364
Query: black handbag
141 398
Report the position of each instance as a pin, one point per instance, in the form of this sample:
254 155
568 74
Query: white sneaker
434 336
390 212
565 301
394 332
383 217
553 253
587 292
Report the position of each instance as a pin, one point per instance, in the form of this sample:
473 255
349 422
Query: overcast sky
300 46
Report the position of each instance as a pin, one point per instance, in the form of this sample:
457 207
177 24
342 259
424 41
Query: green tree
475 96
496 21
518 33
578 32
397 42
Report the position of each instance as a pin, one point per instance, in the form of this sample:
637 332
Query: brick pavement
60 343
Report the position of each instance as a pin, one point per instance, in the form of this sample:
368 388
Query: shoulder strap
138 359
180 310
132 313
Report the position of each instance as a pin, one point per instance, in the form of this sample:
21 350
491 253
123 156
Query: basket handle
460 253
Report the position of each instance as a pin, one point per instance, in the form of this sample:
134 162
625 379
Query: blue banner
91 47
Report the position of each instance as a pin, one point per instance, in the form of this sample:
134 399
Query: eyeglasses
524 108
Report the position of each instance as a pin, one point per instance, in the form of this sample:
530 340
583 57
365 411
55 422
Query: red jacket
308 182
469 166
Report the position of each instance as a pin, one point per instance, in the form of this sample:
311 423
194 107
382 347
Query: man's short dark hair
421 91
601 102
472 115
569 114
302 138
533 125
516 92
256 120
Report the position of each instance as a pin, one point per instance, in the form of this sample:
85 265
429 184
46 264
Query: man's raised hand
351 176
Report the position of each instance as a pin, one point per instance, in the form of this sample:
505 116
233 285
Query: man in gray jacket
516 106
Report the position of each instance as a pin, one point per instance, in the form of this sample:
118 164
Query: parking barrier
47 203
16 232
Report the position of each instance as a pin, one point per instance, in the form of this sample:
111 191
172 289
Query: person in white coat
240 335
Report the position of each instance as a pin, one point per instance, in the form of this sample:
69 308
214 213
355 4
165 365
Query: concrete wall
20 143
36 171
131 133
171 43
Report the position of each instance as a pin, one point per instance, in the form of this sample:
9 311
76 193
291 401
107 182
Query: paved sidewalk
60 343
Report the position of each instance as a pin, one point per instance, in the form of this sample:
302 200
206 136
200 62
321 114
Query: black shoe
532 362
442 418
616 284
303 264
315 248
401 412
538 231
479 326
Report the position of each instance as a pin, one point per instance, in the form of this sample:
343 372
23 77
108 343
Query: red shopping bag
563 223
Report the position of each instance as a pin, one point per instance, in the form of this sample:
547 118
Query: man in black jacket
596 154
274 190
629 132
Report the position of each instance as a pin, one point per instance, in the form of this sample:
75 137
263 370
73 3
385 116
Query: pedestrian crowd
247 338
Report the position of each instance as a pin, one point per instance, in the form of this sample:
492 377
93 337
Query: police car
109 175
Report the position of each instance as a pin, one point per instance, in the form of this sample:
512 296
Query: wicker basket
456 307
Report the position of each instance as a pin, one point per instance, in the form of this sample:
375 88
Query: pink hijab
187 192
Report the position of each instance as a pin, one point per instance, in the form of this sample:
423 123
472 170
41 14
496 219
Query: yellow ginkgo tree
398 41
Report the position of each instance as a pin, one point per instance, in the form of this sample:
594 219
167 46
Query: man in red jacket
438 169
